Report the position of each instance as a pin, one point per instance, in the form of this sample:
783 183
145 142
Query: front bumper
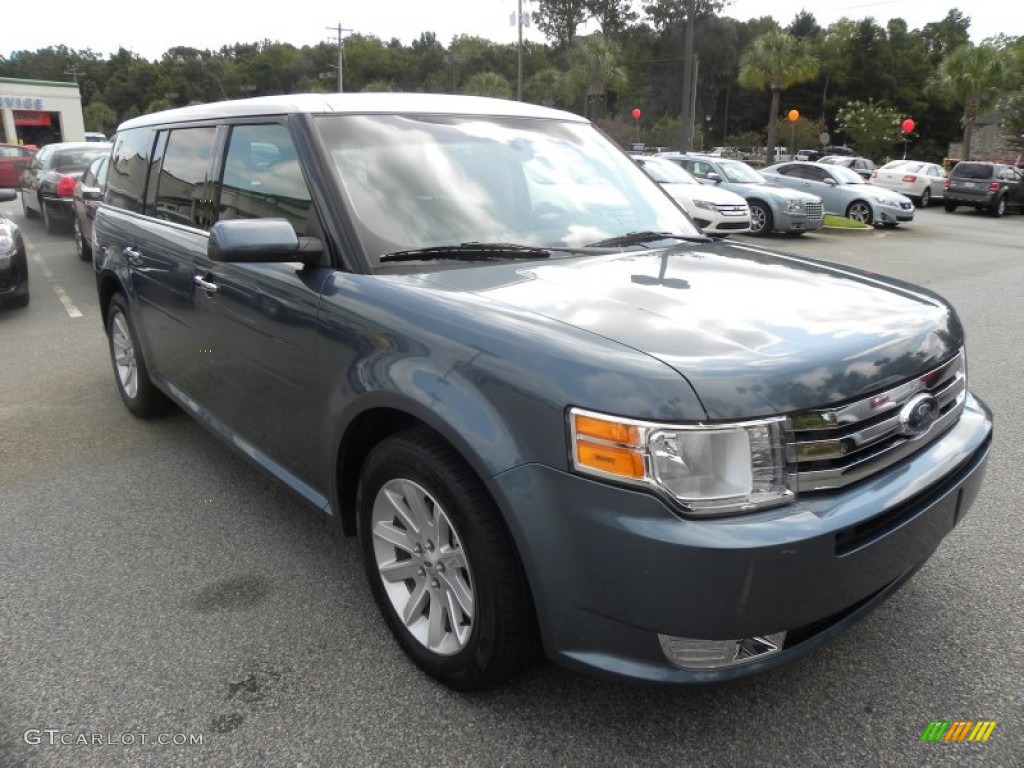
796 222
894 214
611 569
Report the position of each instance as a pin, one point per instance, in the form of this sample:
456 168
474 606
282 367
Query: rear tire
950 207
130 372
441 564
998 206
82 247
29 213
926 198
48 223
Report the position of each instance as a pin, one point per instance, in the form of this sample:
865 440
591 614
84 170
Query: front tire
860 211
760 219
441 564
130 371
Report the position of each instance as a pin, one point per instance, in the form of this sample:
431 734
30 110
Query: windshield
665 171
741 173
427 181
846 176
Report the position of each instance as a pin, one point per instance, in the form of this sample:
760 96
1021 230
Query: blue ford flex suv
559 419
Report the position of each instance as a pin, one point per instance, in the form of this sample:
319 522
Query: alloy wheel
423 567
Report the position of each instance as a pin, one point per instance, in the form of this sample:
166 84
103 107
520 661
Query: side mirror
261 240
830 181
714 177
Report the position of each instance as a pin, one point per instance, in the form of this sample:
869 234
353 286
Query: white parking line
69 305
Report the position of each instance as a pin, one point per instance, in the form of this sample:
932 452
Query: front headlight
711 469
794 206
707 205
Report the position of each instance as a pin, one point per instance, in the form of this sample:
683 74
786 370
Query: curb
845 231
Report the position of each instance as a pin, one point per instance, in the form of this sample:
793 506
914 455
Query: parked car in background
717 211
844 151
995 187
48 184
13 159
13 258
95 136
772 208
862 166
85 200
583 427
920 181
844 193
807 154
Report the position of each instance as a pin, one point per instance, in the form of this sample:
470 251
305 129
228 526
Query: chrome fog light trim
691 653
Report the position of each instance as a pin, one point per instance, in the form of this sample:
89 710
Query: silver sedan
844 193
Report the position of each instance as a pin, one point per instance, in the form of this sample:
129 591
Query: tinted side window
262 177
182 193
126 178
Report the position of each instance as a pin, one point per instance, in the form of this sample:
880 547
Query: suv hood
754 332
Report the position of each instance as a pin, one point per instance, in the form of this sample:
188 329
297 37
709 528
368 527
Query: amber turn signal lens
611 431
606 458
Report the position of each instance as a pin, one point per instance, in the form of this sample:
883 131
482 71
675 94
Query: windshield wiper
469 252
638 238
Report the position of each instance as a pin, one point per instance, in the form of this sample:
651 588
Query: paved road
153 583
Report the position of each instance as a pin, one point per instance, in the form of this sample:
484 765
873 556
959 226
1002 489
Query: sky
149 29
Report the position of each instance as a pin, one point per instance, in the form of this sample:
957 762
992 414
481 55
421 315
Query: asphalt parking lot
167 602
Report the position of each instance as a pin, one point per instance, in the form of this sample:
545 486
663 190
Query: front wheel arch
860 210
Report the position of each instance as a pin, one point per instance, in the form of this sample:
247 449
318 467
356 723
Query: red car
10 156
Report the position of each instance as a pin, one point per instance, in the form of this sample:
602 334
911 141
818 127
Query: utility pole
74 71
518 19
687 121
340 30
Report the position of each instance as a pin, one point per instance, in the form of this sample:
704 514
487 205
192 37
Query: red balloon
908 125
636 113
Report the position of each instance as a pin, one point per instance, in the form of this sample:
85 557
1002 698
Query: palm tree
776 60
594 69
974 76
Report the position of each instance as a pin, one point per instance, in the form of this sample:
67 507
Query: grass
839 221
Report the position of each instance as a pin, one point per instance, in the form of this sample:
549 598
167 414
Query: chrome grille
815 211
733 210
835 447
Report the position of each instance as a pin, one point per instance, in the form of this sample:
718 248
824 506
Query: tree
613 15
99 117
975 77
488 84
558 20
873 128
776 60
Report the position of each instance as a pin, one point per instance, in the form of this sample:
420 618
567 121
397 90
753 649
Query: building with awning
40 112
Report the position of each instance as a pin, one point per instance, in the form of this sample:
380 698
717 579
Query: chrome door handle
133 256
206 285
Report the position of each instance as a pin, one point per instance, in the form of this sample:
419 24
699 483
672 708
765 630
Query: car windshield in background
741 173
665 171
69 162
432 181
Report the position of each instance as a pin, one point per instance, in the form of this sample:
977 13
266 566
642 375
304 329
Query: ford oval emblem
917 416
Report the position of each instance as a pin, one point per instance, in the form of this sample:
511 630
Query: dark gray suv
992 187
556 415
